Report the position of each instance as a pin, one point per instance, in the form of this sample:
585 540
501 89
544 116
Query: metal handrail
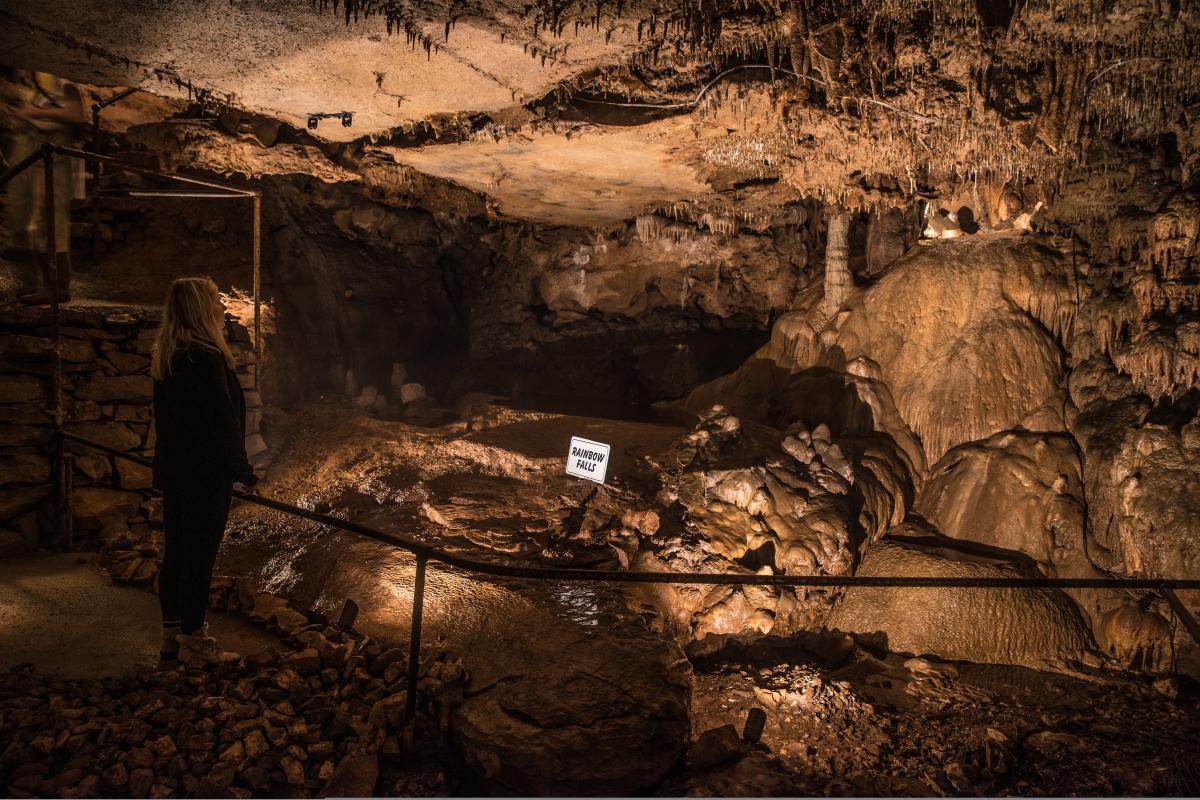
425 553
46 154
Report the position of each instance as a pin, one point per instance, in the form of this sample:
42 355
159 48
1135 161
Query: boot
168 651
41 297
200 649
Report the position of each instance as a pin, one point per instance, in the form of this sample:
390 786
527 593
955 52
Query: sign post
587 459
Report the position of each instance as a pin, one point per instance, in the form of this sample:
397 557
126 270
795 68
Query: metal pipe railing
221 191
425 553
99 165
429 552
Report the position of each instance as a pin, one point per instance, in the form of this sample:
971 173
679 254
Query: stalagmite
838 280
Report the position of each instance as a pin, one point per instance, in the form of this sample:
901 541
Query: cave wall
466 303
107 393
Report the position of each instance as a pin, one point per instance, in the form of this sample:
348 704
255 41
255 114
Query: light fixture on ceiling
346 117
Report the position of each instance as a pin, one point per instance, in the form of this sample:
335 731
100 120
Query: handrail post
256 260
56 375
414 641
97 173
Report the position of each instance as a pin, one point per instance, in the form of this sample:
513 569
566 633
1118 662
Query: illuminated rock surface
857 288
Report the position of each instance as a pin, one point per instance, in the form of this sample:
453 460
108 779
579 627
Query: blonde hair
188 319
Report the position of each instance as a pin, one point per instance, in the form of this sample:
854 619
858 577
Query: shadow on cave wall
435 295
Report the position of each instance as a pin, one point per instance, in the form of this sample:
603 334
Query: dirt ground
62 614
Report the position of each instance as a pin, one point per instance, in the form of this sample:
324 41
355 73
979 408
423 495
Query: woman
199 418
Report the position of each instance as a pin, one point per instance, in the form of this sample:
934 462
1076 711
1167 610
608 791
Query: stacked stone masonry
107 396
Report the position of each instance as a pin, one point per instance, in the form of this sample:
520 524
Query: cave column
837 263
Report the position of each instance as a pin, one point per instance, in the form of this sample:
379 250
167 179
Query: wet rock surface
558 672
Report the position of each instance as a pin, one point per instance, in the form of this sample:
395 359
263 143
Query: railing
46 154
425 552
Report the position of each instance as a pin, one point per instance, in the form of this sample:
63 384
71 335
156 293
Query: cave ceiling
592 113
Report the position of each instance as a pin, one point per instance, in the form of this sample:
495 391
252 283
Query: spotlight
314 119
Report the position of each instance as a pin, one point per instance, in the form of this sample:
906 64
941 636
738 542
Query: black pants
194 516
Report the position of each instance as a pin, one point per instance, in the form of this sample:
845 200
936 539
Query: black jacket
200 422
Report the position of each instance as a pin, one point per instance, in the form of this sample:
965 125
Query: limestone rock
1143 491
127 363
1030 627
958 332
609 718
411 393
112 434
367 398
716 746
132 475
757 498
132 388
24 468
15 502
93 466
21 389
355 776
1016 491
93 507
24 435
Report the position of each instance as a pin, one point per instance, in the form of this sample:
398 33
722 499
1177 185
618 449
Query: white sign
587 459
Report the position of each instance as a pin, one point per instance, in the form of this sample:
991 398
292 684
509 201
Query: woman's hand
242 488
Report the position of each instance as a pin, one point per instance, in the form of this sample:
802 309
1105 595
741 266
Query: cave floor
887 725
869 724
62 614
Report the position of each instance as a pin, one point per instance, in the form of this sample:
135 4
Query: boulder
127 363
93 507
411 393
102 388
24 435
1017 491
21 389
608 717
93 466
355 776
133 475
16 502
716 746
25 414
367 398
133 413
24 468
112 434
1039 628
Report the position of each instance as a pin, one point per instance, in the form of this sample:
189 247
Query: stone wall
107 393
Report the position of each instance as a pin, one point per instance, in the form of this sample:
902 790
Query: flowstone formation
752 499
1004 457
